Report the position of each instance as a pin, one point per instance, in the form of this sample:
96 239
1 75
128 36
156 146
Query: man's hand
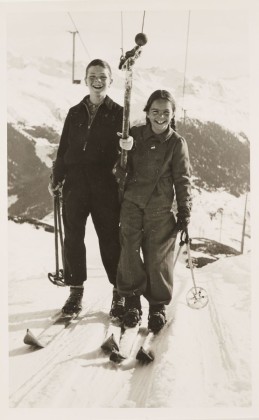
55 191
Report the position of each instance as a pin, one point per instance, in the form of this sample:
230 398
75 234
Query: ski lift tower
75 81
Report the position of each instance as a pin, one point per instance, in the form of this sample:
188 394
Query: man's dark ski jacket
95 145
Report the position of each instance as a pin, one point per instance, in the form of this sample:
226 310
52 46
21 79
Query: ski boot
156 318
117 308
73 304
133 311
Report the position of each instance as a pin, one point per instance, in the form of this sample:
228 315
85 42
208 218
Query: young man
87 152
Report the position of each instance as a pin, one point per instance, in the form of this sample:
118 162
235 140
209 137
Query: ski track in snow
200 360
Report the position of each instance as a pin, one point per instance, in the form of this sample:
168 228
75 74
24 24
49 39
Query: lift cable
143 21
122 29
185 61
79 36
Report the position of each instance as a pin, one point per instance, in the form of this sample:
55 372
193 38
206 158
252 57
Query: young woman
87 152
157 173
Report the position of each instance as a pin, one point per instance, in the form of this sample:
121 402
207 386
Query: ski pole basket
57 278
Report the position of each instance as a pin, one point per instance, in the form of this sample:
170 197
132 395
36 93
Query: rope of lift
87 52
122 29
143 21
185 61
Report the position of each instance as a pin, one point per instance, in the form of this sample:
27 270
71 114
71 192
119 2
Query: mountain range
212 116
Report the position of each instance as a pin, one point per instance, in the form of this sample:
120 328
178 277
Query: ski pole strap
177 255
185 240
181 243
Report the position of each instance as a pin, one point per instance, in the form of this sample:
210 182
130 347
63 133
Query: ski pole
182 242
56 235
196 297
126 63
58 277
60 229
190 263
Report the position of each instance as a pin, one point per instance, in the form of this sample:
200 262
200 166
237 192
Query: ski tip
110 344
116 357
144 356
31 340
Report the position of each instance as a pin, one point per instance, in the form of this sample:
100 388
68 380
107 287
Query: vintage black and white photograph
129 208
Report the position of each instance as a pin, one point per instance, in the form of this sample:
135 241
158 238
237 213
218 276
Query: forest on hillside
219 160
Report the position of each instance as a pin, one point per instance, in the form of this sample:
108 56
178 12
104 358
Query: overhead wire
143 21
185 61
79 35
122 30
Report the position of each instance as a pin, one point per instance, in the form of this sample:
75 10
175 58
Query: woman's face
160 115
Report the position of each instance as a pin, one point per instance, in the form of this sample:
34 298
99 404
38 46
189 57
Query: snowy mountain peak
40 92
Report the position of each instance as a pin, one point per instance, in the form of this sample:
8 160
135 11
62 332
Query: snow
44 99
39 99
219 216
203 357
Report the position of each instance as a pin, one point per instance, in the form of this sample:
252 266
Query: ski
126 343
60 322
113 334
145 354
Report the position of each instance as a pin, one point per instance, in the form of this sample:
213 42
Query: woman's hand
126 144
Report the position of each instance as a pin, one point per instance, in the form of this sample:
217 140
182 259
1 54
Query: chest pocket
107 120
77 120
77 129
144 160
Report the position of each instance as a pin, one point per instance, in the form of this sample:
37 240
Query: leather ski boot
156 318
133 311
118 305
73 304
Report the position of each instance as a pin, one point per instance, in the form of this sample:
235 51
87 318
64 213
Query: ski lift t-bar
132 55
126 63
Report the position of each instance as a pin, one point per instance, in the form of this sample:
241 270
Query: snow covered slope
203 357
40 92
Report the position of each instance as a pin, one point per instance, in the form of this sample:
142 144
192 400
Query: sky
217 45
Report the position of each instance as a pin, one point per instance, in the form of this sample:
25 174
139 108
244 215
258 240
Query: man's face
98 80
